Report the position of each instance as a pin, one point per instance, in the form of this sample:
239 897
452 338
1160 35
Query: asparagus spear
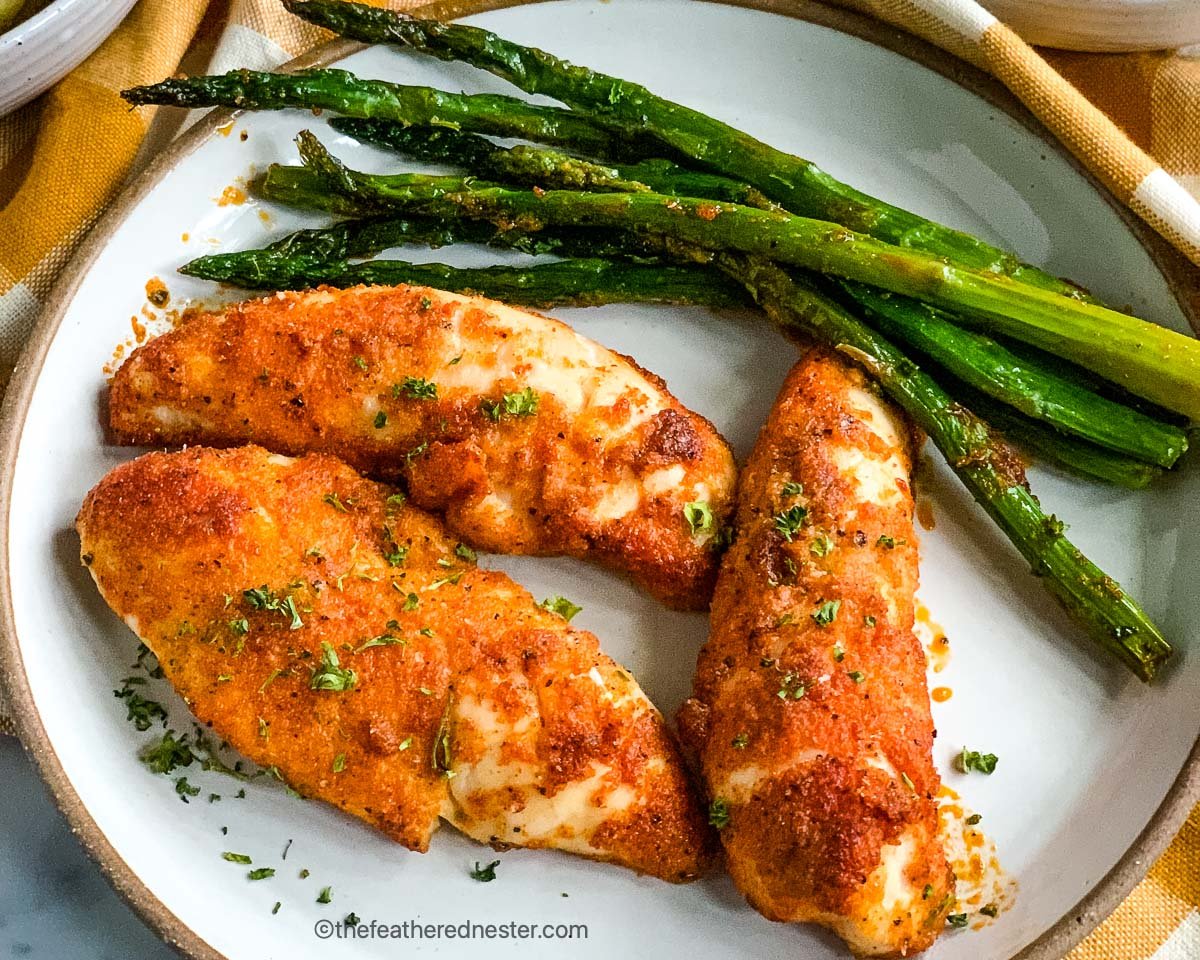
1077 456
546 168
345 93
1028 384
798 184
576 283
983 461
1146 359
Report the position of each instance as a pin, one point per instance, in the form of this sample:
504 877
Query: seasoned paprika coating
810 714
527 437
323 626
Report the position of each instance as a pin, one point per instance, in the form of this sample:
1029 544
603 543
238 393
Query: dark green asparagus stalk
798 184
345 93
546 168
985 464
1031 386
1072 454
573 283
1146 359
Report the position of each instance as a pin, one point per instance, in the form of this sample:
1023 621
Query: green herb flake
168 753
821 546
857 676
485 874
275 909
411 602
405 744
140 711
839 652
718 813
236 857
974 819
990 910
869 620
380 420
927 892
793 489
326 895
907 781
331 675
890 542
383 640
463 552
562 606
262 873
827 612
791 687
699 516
958 920
239 627
336 502
970 760
359 361
415 388
339 763
740 741
789 522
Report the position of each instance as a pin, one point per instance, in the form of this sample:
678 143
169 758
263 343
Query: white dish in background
40 50
1087 754
1103 25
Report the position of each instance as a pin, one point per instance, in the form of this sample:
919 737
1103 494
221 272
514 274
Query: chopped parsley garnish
416 451
262 873
699 516
821 546
275 909
970 760
990 910
405 744
793 489
485 874
907 781
239 627
827 612
856 675
185 789
426 303
869 620
739 742
562 606
839 652
718 813
352 920
957 920
140 712
396 556
271 678
791 687
457 360
463 552
927 892
380 420
359 361
339 763
338 503
384 639
415 388
523 403
786 620
263 598
452 579
332 675
441 759
411 602
889 542
974 819
790 521
168 753
236 857
264 729
326 895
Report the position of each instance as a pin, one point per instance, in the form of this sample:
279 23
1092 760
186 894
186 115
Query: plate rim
1182 277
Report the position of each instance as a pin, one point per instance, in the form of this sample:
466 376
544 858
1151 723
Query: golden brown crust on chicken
259 580
600 468
810 714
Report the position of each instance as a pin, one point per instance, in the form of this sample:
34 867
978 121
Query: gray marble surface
54 904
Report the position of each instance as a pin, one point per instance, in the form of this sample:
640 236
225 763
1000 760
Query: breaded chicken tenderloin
810 714
527 437
324 627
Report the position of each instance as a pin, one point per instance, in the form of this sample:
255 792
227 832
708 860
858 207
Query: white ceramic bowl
1103 25
39 51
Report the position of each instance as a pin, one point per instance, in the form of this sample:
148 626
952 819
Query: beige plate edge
1182 277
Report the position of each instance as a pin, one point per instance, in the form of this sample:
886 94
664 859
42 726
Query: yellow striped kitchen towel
64 157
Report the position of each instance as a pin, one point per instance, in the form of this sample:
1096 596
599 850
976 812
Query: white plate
40 50
1087 754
